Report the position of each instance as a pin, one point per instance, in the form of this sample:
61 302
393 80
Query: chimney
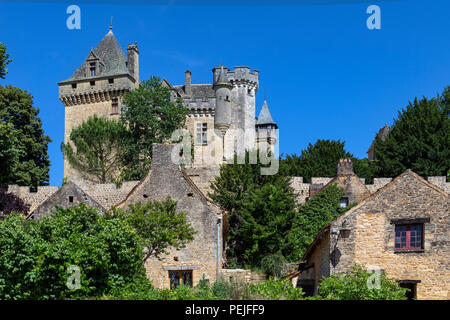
345 167
187 83
133 60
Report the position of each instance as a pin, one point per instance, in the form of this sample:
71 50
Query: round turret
222 89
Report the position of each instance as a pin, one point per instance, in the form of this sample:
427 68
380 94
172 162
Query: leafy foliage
419 139
272 265
96 149
260 209
159 225
152 117
353 285
9 153
312 216
31 167
4 60
317 160
276 290
35 255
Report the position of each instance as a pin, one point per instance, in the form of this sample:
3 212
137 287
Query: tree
312 216
4 60
318 160
152 116
159 225
256 203
356 284
418 140
17 112
36 255
9 153
96 149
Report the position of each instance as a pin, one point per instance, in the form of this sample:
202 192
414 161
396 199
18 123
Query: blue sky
326 75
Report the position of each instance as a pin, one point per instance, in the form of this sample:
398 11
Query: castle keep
221 116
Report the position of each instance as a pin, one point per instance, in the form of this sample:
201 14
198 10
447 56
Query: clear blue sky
325 74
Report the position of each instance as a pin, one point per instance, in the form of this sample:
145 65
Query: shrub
275 290
353 285
272 265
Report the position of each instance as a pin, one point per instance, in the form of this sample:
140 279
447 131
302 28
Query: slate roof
111 56
199 91
264 116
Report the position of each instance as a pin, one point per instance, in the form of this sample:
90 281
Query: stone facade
366 235
202 256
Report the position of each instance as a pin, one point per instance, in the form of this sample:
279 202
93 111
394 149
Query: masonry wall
372 236
200 255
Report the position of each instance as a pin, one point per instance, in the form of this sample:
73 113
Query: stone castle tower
97 86
227 104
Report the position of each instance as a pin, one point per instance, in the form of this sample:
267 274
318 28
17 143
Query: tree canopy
260 209
4 60
96 148
159 226
152 117
37 256
418 140
19 121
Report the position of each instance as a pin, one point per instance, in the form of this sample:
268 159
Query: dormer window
343 202
92 69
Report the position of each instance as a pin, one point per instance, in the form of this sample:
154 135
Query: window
202 129
111 80
412 288
178 278
408 237
92 69
343 202
74 85
70 199
92 83
115 106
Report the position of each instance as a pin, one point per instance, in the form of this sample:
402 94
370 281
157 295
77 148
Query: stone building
201 258
382 134
221 120
402 229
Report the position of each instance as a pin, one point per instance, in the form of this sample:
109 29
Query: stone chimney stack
345 167
133 60
187 83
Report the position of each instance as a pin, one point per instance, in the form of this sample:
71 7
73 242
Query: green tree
312 216
9 153
17 111
152 116
317 160
96 149
35 256
159 225
357 284
4 60
259 207
418 140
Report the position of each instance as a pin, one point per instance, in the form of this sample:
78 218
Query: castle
369 233
221 116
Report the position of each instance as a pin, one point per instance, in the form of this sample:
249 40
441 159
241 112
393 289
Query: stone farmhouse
402 229
399 225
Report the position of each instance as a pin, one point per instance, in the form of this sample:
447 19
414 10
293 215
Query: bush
272 265
35 256
275 290
353 285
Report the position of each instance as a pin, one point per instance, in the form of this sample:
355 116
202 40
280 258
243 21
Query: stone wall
200 255
241 275
372 235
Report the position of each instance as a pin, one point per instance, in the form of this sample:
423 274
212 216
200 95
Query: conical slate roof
264 116
111 57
